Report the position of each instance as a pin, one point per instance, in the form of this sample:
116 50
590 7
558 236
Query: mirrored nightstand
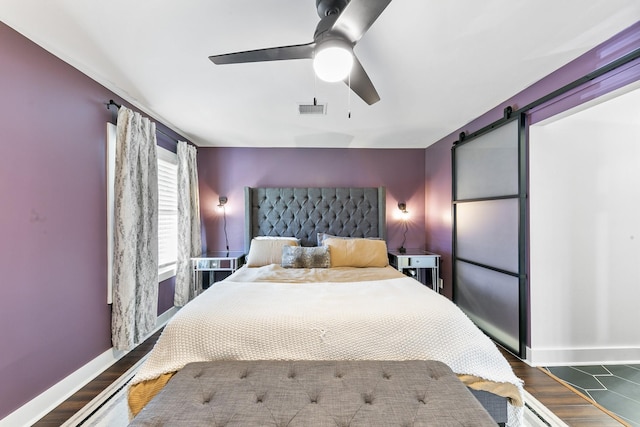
418 261
216 266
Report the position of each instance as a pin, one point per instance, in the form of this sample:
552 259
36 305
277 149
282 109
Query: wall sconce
222 201
403 208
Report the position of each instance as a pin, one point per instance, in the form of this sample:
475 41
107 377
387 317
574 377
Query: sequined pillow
306 257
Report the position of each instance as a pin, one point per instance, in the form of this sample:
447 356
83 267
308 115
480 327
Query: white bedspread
392 319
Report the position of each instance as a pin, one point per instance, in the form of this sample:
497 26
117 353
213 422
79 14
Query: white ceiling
436 64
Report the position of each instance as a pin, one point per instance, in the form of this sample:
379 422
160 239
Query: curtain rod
118 106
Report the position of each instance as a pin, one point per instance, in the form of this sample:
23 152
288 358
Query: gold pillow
267 251
357 252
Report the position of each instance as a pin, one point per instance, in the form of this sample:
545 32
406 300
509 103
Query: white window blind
167 213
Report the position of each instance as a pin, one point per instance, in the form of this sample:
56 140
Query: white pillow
277 238
321 237
267 251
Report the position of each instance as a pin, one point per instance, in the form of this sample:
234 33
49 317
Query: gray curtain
135 262
189 240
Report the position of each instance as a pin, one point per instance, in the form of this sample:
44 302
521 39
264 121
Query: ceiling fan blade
358 16
300 51
361 84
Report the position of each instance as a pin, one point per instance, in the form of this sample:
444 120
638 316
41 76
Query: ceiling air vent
312 109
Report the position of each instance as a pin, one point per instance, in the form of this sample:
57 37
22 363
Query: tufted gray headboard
303 212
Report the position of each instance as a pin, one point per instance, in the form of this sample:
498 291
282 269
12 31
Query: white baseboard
583 356
44 403
107 393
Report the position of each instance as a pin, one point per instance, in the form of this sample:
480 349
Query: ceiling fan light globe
333 63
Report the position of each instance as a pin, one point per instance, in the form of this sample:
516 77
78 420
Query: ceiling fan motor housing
330 7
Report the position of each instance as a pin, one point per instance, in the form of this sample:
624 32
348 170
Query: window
167 213
167 210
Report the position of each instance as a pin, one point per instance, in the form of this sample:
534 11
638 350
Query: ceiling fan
342 24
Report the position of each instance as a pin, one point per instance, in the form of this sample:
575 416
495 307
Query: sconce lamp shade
222 200
403 207
333 61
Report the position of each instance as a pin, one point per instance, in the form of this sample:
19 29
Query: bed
317 287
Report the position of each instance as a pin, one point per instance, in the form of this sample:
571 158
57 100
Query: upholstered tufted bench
314 393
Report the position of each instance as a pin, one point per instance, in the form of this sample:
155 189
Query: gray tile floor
615 387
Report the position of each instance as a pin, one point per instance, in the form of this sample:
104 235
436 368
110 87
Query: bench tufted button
386 376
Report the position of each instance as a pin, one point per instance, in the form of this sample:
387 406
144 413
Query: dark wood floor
568 405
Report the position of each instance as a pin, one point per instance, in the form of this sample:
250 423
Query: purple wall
54 316
438 155
226 171
438 208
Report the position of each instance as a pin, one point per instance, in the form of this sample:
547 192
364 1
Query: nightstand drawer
208 264
216 264
422 261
